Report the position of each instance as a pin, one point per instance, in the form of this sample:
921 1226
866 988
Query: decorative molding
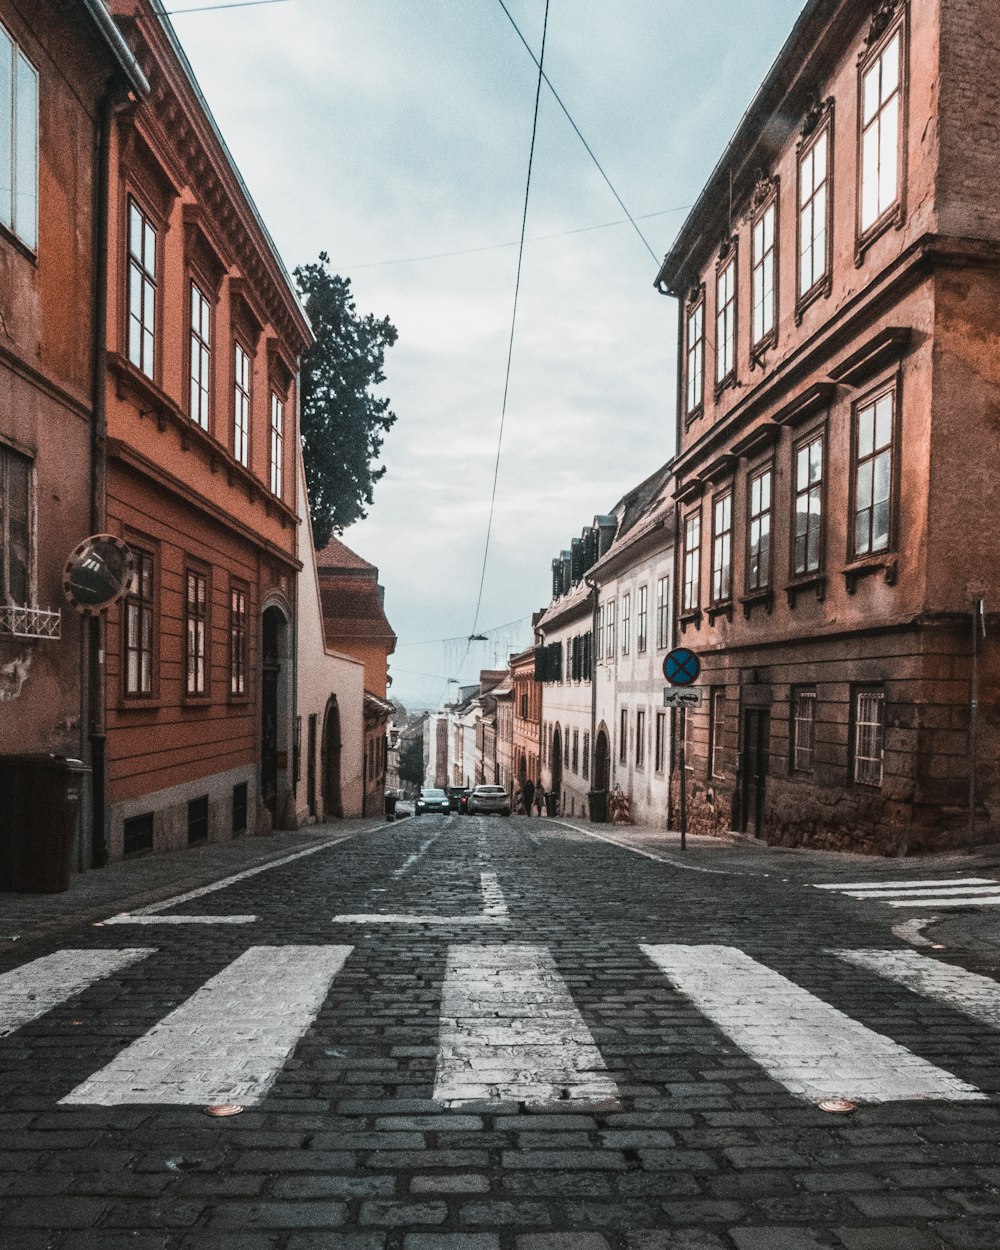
765 186
882 18
723 608
692 489
819 395
814 581
886 563
885 347
758 439
817 111
721 467
758 598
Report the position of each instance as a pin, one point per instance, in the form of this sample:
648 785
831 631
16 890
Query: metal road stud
840 1106
224 1108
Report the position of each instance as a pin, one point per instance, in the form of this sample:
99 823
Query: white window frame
242 386
692 562
626 622
200 346
725 321
19 163
880 111
641 619
141 294
807 502
815 200
722 547
803 729
760 492
868 755
763 274
874 454
277 443
696 356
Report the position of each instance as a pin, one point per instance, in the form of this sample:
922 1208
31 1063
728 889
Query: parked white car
485 799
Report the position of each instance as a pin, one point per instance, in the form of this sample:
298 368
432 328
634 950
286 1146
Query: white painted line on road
227 1042
813 1049
376 917
933 900
136 918
494 903
913 882
416 857
510 1030
910 931
968 890
660 859
968 992
35 988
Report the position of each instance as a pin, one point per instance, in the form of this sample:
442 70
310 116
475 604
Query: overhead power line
230 4
590 151
513 320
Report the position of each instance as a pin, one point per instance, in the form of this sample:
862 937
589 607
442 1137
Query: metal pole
683 796
973 716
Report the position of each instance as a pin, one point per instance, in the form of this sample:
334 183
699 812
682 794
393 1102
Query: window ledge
815 582
691 417
196 700
758 598
19 245
724 607
820 290
865 567
690 618
138 703
893 216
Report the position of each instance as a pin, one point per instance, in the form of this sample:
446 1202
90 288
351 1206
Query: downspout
595 592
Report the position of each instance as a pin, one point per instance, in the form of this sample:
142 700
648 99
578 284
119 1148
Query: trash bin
390 807
551 803
598 800
39 806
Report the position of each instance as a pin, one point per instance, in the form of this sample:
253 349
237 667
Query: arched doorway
556 764
274 709
332 802
602 760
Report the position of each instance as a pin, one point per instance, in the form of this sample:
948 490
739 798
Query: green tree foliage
343 422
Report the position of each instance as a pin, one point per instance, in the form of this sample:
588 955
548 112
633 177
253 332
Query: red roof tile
337 555
353 609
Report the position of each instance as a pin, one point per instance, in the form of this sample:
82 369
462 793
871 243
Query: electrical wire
590 152
513 323
231 4
494 629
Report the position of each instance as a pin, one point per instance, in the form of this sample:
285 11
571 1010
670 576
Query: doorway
273 712
556 766
332 803
753 769
602 759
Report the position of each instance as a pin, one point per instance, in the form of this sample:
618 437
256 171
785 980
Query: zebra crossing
949 893
509 1027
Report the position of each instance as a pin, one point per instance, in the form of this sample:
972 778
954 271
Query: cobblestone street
459 1033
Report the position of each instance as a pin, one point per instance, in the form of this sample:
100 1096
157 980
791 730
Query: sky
388 132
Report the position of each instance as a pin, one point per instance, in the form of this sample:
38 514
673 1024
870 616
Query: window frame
761 584
31 523
148 278
769 336
725 536
660 742
640 739
727 319
276 458
641 619
663 612
611 638
199 353
626 629
691 557
239 643
818 434
858 692
894 213
716 730
821 286
240 346
623 735
798 693
694 352
142 603
201 574
893 388
12 229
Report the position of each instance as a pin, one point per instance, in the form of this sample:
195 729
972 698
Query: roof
119 49
337 555
353 609
570 607
650 510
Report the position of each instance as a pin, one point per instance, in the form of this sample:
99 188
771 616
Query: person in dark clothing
528 795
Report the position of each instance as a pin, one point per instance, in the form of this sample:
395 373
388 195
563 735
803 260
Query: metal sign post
683 813
681 667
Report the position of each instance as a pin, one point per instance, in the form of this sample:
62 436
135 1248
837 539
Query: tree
342 421
411 758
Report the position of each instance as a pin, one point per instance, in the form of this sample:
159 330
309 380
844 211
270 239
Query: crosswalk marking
974 995
227 1042
510 1030
953 892
903 885
942 892
813 1049
933 900
35 988
494 910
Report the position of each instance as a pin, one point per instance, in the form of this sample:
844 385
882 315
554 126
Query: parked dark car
463 802
455 796
431 800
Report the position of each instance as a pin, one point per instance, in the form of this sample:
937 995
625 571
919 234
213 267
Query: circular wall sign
681 666
97 574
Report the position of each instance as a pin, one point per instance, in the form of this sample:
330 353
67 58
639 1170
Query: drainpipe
595 592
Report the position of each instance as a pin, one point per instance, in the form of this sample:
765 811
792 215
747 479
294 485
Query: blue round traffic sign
681 666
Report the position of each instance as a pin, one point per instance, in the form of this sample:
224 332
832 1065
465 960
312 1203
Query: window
626 623
575 758
195 616
803 729
566 750
869 721
814 213
239 808
725 322
277 443
722 548
609 636
880 134
762 274
807 551
623 736
692 562
695 356
198 820
241 406
141 289
15 527
137 834
873 474
659 749
716 738
138 619
524 707
585 757
237 641
641 617
640 738
759 532
18 142
201 356
662 613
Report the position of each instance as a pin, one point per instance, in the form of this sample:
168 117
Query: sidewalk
128 884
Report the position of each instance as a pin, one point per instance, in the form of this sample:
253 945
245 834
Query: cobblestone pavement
485 1034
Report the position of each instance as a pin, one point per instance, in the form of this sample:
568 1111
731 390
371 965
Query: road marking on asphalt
910 931
416 857
968 992
951 892
813 1049
153 908
35 988
913 883
969 891
494 910
494 903
511 1031
228 1041
934 900
660 859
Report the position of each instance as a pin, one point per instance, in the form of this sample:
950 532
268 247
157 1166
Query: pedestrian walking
540 799
528 795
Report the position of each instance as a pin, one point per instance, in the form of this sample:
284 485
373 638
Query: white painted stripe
510 1030
135 918
982 900
494 903
379 917
909 931
660 859
813 1049
227 1042
416 857
969 890
33 989
886 885
968 992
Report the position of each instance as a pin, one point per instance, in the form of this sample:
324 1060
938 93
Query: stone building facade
837 396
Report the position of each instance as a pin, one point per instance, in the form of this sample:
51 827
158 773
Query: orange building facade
204 336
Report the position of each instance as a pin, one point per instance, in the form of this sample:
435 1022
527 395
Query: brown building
527 719
355 623
204 334
838 284
64 67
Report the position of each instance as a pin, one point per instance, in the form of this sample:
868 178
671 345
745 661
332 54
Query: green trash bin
40 799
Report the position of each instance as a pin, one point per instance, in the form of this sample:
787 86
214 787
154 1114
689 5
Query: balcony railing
21 622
